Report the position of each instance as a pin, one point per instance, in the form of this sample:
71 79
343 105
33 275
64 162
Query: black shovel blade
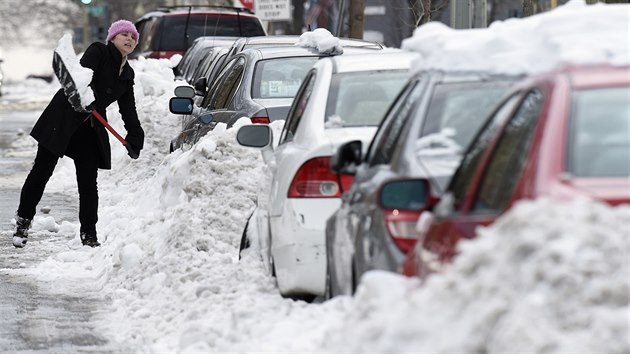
68 84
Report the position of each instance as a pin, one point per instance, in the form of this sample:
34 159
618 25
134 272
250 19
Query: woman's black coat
59 121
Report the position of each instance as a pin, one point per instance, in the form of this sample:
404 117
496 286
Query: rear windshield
599 139
461 108
281 77
362 98
174 29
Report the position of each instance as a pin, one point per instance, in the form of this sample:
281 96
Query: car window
280 77
362 98
214 87
472 158
297 108
599 133
461 107
148 29
229 85
388 133
509 157
176 37
204 64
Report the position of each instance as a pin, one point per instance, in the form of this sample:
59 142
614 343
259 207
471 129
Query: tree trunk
298 17
357 9
426 16
528 8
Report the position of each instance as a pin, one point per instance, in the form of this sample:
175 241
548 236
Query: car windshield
362 98
599 139
205 25
280 77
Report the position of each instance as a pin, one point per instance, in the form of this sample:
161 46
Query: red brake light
261 120
315 179
401 226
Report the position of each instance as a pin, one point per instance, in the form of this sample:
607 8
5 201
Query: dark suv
171 30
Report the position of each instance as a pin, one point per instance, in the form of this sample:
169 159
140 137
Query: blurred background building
35 26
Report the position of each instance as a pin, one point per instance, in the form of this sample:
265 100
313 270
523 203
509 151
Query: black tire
327 289
273 266
244 239
354 278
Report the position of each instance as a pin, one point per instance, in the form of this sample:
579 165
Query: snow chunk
82 76
322 40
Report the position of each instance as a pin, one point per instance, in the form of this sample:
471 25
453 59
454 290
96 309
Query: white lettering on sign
374 10
273 10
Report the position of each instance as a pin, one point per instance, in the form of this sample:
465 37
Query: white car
342 98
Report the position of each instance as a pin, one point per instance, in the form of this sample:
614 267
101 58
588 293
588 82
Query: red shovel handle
100 118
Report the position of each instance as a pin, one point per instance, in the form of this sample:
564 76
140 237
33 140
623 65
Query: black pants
83 149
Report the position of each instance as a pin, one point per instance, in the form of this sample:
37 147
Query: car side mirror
206 118
184 91
180 105
200 86
347 157
405 194
257 136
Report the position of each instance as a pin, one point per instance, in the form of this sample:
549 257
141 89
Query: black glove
135 141
133 151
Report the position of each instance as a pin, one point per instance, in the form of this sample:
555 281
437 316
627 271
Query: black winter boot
89 239
21 231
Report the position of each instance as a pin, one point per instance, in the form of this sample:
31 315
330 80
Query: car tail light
260 120
315 179
401 226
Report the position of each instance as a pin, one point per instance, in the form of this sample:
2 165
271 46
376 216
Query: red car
560 135
171 30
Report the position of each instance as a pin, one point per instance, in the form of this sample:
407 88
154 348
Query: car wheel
244 239
327 290
354 278
272 266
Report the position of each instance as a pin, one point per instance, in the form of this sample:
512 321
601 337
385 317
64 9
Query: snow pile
322 40
80 75
546 277
573 33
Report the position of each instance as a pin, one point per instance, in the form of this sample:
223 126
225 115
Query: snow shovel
72 93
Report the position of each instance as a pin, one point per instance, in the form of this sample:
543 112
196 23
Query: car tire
327 289
272 266
244 239
354 281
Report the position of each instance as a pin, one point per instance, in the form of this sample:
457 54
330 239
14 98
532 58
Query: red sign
248 4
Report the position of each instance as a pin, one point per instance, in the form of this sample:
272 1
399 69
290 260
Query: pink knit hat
121 26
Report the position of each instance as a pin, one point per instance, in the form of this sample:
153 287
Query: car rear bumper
298 245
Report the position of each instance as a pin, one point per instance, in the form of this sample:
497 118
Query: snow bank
572 33
546 277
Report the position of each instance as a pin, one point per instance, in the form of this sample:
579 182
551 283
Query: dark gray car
425 130
258 84
201 48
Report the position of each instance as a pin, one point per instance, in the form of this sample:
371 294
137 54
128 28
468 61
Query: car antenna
186 29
